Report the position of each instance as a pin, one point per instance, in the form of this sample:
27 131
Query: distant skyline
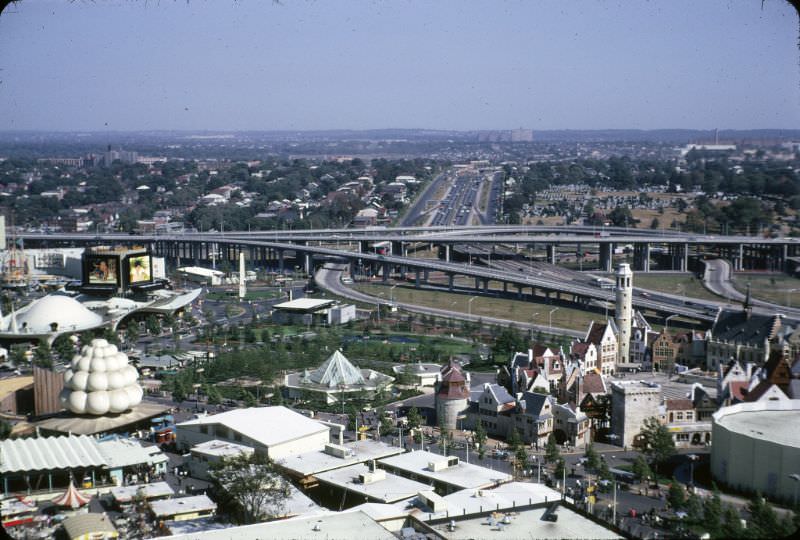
446 65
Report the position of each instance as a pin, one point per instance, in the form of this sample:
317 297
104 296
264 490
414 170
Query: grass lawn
682 284
776 288
503 308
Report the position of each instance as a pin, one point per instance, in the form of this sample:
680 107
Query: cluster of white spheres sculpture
100 381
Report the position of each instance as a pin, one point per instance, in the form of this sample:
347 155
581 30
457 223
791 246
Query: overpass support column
505 287
447 252
477 283
740 262
308 263
551 254
279 255
397 248
363 246
450 278
606 256
684 257
416 278
385 272
519 291
425 275
646 256
485 284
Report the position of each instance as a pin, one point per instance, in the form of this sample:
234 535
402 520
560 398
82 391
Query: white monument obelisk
242 285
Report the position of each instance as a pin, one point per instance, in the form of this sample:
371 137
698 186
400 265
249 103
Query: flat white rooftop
504 497
184 505
527 525
220 449
780 427
125 494
352 524
266 425
304 304
311 463
390 489
463 475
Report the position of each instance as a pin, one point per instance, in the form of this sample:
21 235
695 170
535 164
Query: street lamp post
666 321
550 321
469 307
692 459
796 478
788 297
391 293
533 322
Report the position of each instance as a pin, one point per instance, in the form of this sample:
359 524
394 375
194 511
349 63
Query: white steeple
624 312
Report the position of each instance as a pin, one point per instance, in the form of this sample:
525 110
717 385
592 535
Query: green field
682 284
502 308
777 288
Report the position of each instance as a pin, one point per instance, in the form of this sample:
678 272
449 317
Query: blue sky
259 65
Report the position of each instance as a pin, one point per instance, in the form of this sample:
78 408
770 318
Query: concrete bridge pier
606 256
363 246
308 263
397 248
641 256
450 279
551 254
279 255
485 284
416 278
447 252
385 271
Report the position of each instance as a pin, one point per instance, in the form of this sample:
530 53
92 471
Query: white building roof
304 304
127 452
463 475
38 316
386 488
526 524
125 494
506 496
358 452
268 426
200 271
775 421
49 453
334 525
220 449
184 505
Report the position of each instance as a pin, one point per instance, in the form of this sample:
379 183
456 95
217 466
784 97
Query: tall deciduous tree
551 452
658 443
252 486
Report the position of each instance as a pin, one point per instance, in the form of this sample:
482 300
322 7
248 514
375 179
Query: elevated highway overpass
190 249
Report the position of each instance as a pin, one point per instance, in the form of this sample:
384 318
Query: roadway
659 302
329 278
717 279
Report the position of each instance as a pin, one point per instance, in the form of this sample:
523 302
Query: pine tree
731 523
676 495
592 459
712 513
551 449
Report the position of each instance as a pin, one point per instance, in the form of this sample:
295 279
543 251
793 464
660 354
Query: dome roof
56 308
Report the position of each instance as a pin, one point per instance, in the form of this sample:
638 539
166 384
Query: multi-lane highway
555 282
329 278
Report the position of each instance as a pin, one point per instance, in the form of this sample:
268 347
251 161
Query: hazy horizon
447 66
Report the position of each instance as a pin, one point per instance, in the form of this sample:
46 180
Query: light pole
391 293
533 322
550 321
666 321
796 478
788 297
469 307
692 459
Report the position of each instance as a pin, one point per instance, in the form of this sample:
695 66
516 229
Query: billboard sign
102 270
139 269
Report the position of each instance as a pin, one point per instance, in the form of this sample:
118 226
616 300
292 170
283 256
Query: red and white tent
71 498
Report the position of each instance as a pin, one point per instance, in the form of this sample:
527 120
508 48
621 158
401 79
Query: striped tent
71 498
